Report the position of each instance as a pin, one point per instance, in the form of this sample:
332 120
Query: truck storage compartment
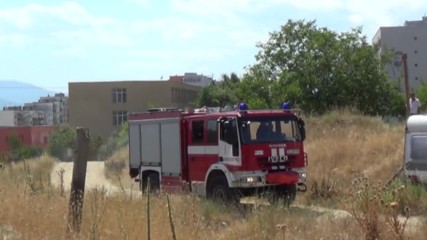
156 143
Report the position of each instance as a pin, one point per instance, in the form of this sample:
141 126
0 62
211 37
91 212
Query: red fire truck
223 155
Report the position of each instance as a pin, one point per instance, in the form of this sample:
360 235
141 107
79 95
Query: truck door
202 148
229 142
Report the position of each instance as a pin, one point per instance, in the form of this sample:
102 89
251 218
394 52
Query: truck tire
286 194
290 193
153 179
219 191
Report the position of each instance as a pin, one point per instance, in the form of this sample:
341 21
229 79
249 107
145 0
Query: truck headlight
303 176
250 179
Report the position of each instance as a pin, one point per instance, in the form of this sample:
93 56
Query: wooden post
406 81
78 182
148 210
170 218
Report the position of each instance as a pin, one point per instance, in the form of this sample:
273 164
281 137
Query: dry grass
340 147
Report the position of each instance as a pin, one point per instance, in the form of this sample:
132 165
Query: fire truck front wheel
219 191
285 193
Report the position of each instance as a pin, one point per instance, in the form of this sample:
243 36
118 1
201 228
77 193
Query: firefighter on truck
223 155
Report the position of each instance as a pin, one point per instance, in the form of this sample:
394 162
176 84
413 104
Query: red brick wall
29 136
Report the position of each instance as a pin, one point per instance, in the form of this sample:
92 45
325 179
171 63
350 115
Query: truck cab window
198 130
212 136
229 131
271 130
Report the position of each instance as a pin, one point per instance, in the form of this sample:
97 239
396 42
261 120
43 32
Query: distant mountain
18 93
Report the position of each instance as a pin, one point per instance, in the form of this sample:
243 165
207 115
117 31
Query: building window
416 51
415 38
197 128
45 140
119 117
119 95
416 64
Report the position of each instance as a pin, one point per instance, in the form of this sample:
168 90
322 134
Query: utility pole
78 183
406 81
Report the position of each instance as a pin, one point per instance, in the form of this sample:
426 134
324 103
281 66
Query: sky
50 43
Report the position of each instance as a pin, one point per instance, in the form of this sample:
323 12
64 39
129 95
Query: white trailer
415 150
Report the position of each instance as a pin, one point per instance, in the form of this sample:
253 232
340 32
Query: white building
411 38
48 110
8 118
55 108
196 80
19 117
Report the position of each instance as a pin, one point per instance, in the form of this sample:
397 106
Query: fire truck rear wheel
219 191
154 182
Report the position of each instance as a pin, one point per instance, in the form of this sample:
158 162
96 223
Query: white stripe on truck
203 150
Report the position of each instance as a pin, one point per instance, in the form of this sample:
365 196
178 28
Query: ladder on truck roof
165 109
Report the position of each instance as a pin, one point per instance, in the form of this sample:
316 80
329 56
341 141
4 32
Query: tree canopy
316 69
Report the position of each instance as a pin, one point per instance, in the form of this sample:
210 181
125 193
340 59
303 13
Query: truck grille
266 164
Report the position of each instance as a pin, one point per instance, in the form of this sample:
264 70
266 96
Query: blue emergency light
286 106
243 106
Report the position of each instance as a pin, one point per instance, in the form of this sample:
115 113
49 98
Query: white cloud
75 51
17 16
15 39
323 5
208 54
78 25
228 12
247 38
28 15
374 14
214 26
175 28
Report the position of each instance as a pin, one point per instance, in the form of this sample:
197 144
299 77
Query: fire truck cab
222 155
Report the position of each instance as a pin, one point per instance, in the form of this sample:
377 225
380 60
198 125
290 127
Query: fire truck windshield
269 129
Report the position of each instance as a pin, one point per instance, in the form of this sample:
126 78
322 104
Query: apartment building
103 106
411 38
55 108
48 110
17 116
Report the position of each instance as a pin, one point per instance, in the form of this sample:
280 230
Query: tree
220 93
14 142
421 94
318 70
116 141
62 138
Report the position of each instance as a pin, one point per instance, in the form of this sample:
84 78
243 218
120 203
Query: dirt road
95 176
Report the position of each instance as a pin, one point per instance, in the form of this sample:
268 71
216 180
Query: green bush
64 137
116 141
19 152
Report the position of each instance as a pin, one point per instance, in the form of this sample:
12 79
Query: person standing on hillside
414 105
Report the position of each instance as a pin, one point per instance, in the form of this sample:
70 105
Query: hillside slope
18 93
